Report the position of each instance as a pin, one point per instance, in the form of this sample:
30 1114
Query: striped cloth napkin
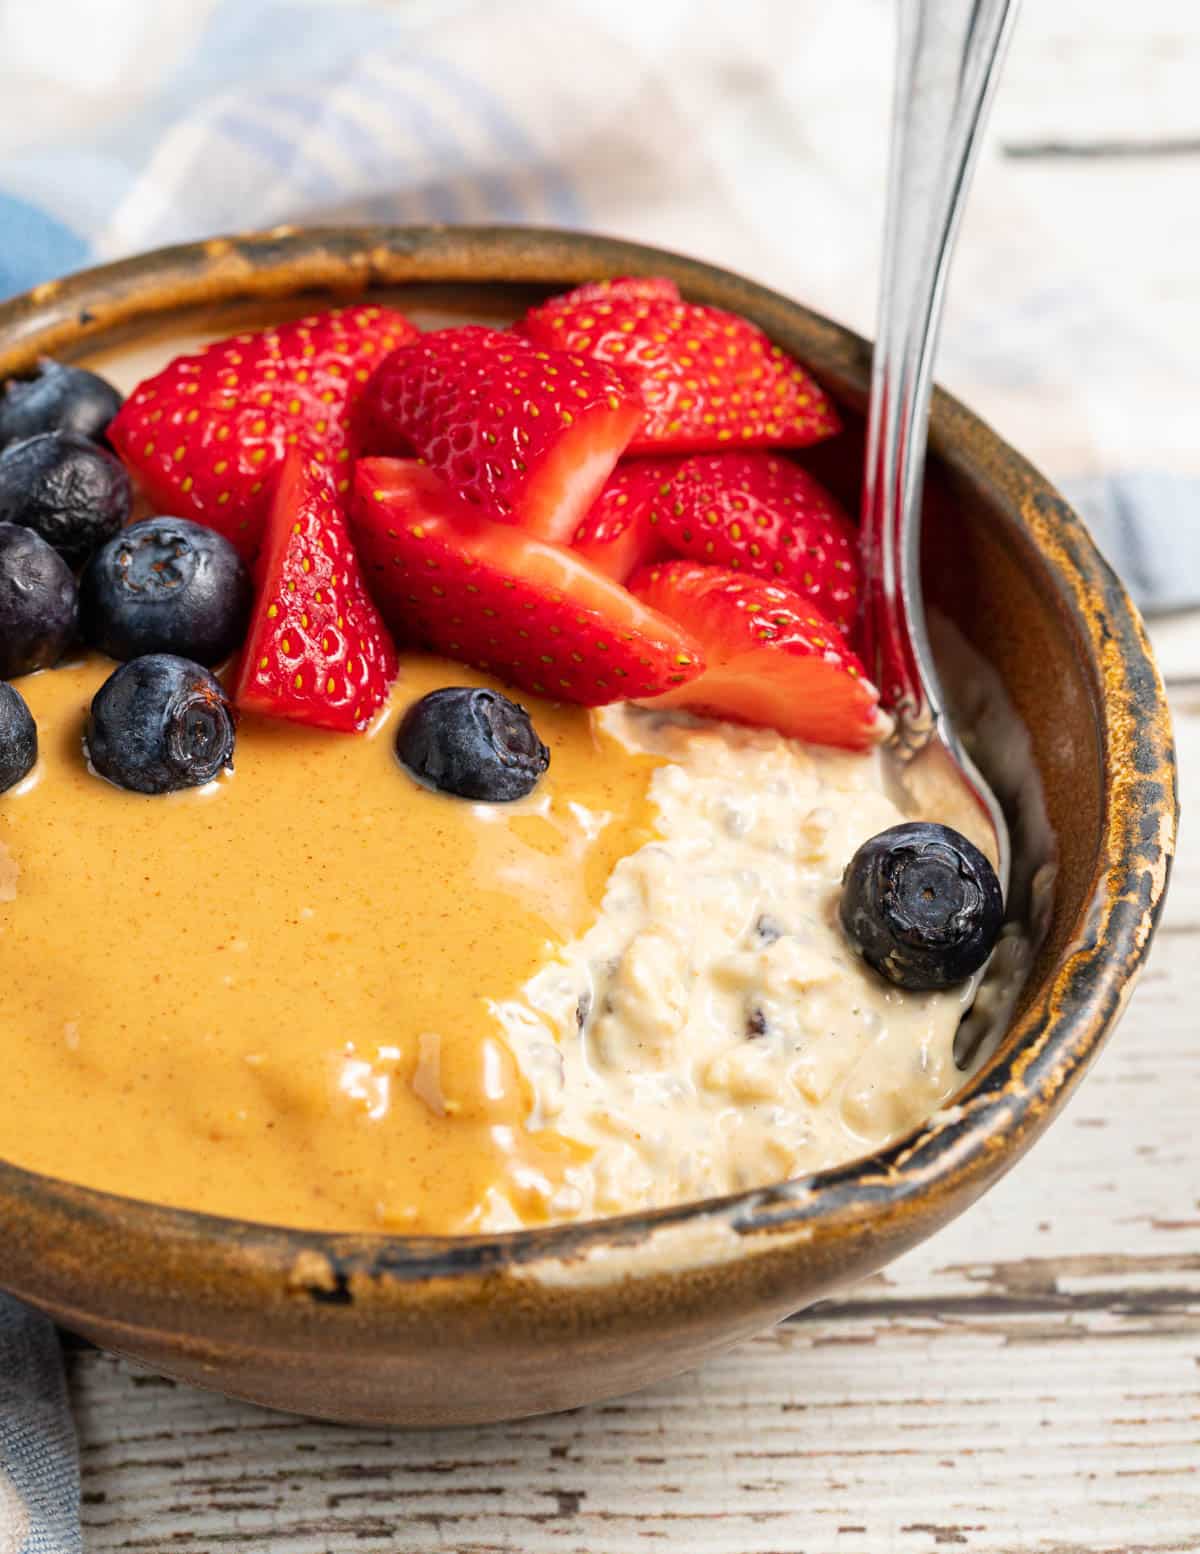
752 135
39 1470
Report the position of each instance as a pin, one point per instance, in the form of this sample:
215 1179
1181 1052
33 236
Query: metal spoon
947 66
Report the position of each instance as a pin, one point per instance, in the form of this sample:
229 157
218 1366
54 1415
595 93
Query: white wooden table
1027 1380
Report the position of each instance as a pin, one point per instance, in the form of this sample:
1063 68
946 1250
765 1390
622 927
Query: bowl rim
954 1154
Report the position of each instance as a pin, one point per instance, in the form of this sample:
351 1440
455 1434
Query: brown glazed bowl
400 1331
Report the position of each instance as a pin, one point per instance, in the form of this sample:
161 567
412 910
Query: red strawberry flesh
751 512
205 436
317 651
773 659
618 534
523 435
709 379
491 595
655 287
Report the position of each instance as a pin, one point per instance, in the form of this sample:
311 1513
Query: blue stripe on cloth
39 1460
251 91
1148 525
292 43
261 43
499 198
379 160
442 146
374 158
250 132
34 246
511 140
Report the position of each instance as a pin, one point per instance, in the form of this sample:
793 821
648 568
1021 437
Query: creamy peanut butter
272 997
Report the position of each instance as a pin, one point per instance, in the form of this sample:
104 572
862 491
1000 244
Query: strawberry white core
572 476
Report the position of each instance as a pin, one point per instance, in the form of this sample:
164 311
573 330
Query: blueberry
922 905
18 737
473 743
57 399
74 494
166 585
160 723
39 607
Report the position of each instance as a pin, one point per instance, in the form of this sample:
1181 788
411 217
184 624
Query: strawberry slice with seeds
751 512
317 651
709 379
205 436
493 595
618 533
637 287
523 435
773 659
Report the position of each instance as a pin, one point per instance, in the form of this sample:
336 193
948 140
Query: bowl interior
1008 569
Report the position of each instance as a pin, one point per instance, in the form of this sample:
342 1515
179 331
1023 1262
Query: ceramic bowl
401 1331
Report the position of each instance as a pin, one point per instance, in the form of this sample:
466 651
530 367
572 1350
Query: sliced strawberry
772 658
751 512
618 534
205 436
524 435
492 595
624 286
317 650
709 379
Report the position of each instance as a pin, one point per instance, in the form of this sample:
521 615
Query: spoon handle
947 59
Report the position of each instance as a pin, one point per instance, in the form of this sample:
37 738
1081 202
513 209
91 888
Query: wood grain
843 1433
1029 1380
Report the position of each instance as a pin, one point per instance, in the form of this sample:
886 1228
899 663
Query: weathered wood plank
1002 1431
